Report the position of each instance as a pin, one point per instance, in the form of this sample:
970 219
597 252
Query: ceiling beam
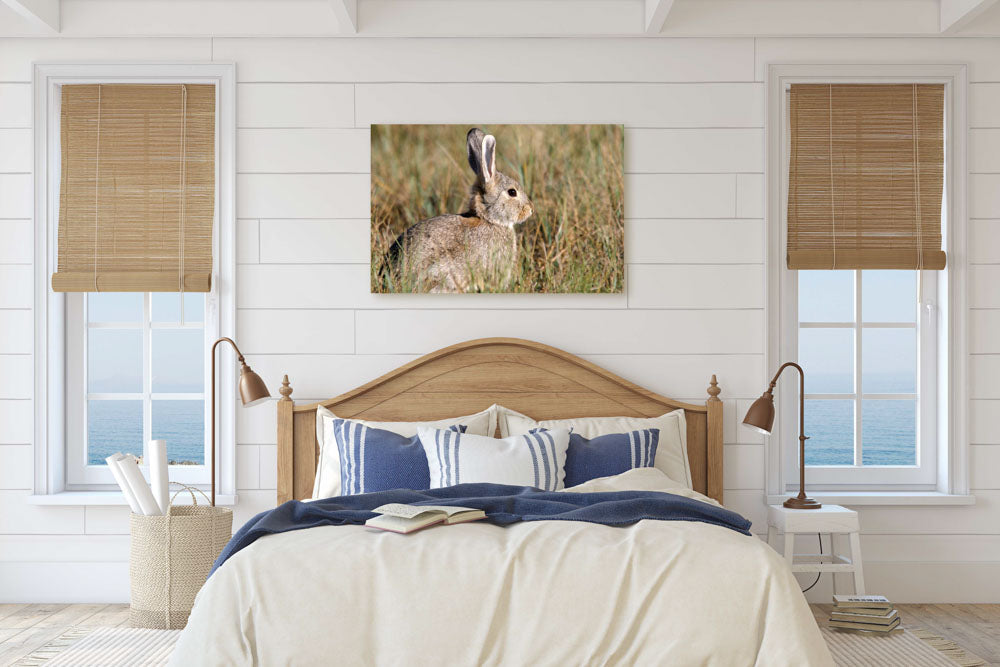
958 14
44 13
656 15
347 14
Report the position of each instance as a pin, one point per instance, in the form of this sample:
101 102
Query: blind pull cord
97 189
833 205
180 240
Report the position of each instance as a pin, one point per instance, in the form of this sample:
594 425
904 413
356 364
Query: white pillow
671 452
327 482
535 459
639 479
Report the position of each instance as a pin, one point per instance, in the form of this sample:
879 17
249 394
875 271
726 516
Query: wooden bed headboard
540 381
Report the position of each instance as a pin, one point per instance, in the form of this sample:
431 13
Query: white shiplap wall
693 111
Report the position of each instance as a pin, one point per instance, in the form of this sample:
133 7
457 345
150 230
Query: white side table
832 519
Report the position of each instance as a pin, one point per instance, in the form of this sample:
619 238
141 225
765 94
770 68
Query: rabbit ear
489 157
474 140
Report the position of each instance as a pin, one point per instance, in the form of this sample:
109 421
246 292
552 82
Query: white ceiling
425 18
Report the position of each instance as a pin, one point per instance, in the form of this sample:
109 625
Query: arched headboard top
539 380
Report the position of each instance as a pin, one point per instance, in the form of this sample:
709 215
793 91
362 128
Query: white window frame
51 482
946 312
80 475
923 475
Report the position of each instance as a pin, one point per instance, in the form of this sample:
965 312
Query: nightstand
831 519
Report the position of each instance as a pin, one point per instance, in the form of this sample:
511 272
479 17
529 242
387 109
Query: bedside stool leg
859 575
772 532
833 553
789 547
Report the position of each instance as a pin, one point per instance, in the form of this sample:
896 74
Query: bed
545 592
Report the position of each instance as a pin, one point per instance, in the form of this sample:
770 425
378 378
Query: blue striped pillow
610 454
372 459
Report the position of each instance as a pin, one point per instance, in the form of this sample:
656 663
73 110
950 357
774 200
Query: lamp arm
802 421
239 356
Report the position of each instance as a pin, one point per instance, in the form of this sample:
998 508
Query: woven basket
170 559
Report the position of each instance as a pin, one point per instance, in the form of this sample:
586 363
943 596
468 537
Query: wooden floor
26 627
974 627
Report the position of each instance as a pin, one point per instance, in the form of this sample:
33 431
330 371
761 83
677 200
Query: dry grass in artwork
573 175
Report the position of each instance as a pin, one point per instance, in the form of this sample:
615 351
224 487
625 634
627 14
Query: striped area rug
914 648
101 647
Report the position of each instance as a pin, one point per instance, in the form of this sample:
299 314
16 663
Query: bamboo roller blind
137 193
866 176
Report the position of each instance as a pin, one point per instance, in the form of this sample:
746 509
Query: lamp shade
760 416
252 388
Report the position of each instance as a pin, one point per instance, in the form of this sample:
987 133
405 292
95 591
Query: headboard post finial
713 389
285 390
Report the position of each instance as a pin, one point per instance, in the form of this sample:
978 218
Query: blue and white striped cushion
533 459
609 454
372 459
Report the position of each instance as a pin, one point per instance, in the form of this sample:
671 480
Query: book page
406 511
449 510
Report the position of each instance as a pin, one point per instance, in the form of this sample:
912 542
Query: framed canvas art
498 208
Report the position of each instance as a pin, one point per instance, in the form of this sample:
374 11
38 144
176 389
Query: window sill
850 498
112 498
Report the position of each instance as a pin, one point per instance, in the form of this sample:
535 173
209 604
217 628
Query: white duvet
539 593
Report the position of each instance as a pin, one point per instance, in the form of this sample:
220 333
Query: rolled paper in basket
136 482
158 474
122 483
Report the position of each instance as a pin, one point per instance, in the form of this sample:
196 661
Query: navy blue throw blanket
502 503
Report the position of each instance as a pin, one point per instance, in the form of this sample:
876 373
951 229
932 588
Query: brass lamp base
802 504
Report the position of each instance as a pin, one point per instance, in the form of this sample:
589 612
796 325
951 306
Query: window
136 372
883 348
115 369
862 339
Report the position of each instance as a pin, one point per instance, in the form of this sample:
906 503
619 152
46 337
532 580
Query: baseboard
918 582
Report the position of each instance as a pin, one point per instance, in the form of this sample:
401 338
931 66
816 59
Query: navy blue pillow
610 454
372 459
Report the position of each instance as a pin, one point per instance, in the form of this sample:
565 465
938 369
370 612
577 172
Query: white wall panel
16 242
983 55
984 286
984 427
653 241
15 104
696 286
16 376
16 196
636 105
301 331
315 241
17 55
16 425
18 469
456 60
695 238
687 374
15 286
680 195
577 331
15 150
16 516
301 195
292 105
983 373
694 151
275 151
17 328
984 241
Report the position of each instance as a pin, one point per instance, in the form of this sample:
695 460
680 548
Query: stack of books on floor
864 613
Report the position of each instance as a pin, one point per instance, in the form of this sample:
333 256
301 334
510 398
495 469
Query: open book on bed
402 518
